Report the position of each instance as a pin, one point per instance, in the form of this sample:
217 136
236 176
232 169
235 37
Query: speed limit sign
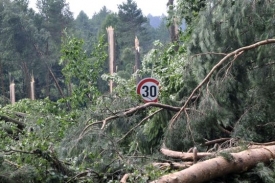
148 89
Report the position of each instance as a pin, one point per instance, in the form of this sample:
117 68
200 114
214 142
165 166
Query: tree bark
219 166
172 27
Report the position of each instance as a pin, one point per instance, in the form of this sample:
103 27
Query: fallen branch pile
221 165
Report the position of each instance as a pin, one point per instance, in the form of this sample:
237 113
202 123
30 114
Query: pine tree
131 23
238 100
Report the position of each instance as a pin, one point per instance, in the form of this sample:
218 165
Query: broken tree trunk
137 59
12 92
219 166
111 41
32 94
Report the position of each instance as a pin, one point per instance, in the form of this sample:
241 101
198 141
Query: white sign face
148 89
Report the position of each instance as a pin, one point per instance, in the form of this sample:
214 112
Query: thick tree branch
129 112
19 124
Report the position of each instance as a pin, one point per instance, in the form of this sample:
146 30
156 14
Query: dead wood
19 124
220 166
183 155
263 144
124 178
173 165
129 112
212 142
53 160
133 110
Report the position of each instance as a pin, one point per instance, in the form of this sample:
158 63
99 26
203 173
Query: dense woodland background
217 92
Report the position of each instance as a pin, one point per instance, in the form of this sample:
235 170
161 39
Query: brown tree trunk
220 166
173 27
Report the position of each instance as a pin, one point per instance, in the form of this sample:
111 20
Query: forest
69 110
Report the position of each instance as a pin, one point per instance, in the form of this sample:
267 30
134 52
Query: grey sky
154 7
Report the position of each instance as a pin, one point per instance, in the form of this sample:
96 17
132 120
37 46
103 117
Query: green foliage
131 20
45 125
227 156
244 93
189 10
82 72
265 173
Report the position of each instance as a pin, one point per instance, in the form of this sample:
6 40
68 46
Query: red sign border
145 80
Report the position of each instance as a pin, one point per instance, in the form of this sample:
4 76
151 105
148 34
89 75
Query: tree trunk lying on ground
220 166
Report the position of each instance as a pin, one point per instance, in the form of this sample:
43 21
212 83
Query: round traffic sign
148 89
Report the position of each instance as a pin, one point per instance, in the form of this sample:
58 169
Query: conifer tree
238 100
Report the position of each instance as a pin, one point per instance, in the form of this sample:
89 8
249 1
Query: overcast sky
154 7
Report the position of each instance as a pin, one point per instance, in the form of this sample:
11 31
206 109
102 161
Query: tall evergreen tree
132 23
19 38
57 16
82 25
97 21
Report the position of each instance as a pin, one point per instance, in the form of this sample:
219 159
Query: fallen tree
221 161
221 165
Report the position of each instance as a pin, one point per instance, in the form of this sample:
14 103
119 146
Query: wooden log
220 166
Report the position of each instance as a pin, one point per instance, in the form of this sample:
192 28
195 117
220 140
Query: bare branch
129 112
212 142
184 155
173 165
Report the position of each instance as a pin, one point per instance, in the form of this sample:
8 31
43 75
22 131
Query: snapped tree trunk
220 166
173 26
137 59
111 41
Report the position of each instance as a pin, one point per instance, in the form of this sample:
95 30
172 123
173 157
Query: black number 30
149 91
